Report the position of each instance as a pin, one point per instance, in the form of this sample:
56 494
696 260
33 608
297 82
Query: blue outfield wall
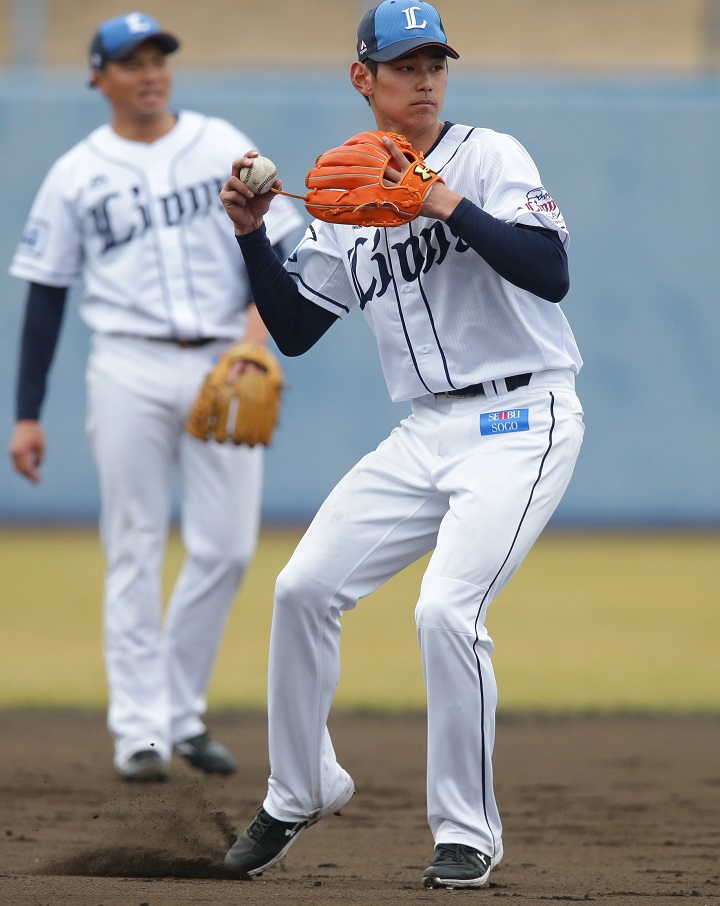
634 166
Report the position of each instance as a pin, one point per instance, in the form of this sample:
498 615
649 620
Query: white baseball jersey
143 226
443 318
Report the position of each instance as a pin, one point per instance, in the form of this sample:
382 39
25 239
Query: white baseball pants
158 670
480 501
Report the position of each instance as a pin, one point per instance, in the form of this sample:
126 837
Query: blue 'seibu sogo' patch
507 421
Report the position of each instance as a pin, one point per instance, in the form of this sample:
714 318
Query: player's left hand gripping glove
346 184
243 410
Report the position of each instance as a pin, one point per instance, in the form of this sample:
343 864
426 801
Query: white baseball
259 176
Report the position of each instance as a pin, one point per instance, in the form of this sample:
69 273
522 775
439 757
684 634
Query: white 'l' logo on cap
137 22
411 20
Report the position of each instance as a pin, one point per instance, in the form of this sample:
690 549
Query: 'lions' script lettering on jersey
121 217
414 256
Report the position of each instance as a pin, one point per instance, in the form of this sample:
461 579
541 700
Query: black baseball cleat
263 844
267 839
206 754
456 865
143 767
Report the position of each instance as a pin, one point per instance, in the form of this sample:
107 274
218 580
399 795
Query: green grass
589 622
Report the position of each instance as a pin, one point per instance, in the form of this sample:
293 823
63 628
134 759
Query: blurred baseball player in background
463 302
133 211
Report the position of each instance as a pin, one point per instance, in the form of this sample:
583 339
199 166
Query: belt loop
491 389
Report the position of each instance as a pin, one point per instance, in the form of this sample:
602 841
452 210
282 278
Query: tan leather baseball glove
346 184
244 409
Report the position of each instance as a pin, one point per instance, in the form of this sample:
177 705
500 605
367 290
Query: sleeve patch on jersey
507 421
539 201
34 239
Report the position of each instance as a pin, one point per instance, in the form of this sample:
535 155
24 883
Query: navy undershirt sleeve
294 322
44 311
532 258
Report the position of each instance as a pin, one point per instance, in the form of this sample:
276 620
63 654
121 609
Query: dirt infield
618 809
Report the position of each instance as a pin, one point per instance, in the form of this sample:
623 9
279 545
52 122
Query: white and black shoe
206 754
263 844
145 766
456 865
267 839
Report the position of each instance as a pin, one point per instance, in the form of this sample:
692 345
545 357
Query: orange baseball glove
346 184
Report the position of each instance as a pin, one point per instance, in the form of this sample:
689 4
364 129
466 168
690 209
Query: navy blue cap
117 38
396 27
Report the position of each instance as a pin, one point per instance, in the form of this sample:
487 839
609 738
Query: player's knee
450 604
231 553
235 565
240 557
291 585
431 613
296 590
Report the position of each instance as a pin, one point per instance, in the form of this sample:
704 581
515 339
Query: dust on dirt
621 808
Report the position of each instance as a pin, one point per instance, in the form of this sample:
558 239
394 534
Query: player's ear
96 79
361 78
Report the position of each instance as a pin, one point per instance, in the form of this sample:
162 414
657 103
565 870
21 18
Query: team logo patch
34 238
507 421
539 201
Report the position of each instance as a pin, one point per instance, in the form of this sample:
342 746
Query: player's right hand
245 209
443 201
27 448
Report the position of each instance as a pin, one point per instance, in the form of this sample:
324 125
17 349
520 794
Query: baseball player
463 302
134 212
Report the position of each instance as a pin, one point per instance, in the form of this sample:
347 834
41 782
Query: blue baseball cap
396 27
117 38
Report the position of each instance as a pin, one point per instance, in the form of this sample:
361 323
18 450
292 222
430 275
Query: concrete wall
633 165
